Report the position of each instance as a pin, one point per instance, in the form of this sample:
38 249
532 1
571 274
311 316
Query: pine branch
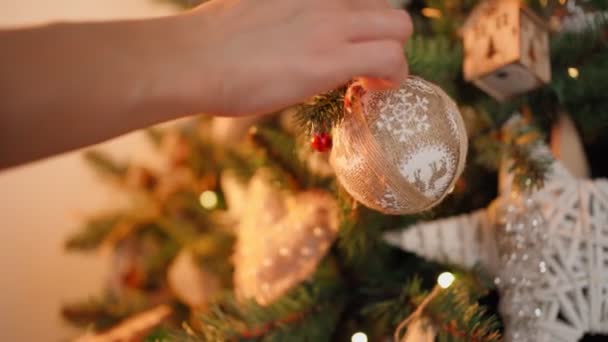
459 316
155 135
322 113
171 334
93 233
583 96
599 4
489 149
519 146
103 164
213 252
280 154
240 162
530 170
388 313
157 263
454 311
307 313
437 59
453 15
360 230
104 312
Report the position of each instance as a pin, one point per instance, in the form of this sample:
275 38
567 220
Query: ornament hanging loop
416 314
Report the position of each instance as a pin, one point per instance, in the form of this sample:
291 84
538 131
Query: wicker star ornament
570 284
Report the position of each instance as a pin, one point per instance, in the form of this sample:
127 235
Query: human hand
239 57
74 84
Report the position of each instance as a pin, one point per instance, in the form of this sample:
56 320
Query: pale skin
69 85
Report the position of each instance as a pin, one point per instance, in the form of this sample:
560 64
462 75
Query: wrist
153 46
174 69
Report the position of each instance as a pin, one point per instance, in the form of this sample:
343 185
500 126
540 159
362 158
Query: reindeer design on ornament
428 169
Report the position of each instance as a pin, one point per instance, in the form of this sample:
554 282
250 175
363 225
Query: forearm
69 85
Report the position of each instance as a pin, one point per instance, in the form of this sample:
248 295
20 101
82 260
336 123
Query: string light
359 337
208 199
445 280
573 72
431 12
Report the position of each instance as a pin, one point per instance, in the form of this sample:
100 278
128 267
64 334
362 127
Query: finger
376 83
378 25
373 61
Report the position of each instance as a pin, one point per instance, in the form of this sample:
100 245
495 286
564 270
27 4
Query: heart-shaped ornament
281 239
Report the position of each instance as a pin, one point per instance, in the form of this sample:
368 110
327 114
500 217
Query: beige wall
43 202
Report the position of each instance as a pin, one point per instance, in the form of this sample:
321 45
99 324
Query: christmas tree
310 225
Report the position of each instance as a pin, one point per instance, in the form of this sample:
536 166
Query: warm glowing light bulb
445 280
208 199
573 72
359 337
430 12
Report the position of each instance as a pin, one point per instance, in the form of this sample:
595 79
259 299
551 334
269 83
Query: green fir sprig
307 313
454 312
322 112
105 165
94 232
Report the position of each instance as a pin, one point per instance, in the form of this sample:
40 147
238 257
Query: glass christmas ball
399 151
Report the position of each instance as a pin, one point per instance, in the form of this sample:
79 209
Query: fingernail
378 84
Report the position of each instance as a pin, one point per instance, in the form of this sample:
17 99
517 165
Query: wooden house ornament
506 49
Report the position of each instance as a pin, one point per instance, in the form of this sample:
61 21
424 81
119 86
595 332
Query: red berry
321 142
133 278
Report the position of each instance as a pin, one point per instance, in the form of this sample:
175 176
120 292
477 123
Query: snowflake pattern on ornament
411 117
388 200
429 169
420 85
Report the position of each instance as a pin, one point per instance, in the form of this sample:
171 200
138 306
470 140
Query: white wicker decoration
465 240
574 289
